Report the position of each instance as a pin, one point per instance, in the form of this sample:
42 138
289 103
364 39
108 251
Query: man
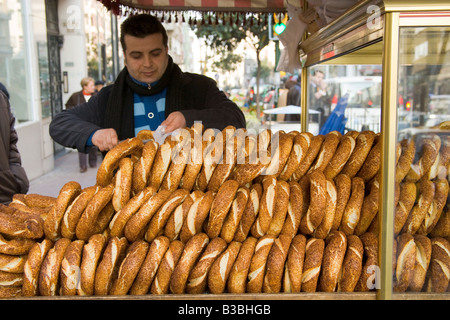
294 98
150 91
13 178
84 95
318 98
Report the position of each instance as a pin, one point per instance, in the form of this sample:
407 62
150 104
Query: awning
120 7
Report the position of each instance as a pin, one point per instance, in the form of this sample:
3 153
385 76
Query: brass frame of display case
345 36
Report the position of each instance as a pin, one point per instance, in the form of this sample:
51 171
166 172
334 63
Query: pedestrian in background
13 178
87 91
294 98
99 84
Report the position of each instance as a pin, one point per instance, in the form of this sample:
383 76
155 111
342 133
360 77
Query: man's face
146 58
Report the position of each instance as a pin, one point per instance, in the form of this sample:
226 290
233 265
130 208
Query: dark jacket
13 178
196 96
75 99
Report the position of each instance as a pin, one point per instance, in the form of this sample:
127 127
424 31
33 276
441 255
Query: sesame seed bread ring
70 268
428 154
13 264
191 252
124 180
111 160
10 292
408 151
52 224
196 215
129 267
311 154
244 173
422 262
221 268
108 267
176 220
220 207
313 262
406 259
292 280
160 284
370 260
439 265
226 166
86 225
237 279
32 267
198 277
176 169
317 204
281 208
11 280
75 210
275 264
212 156
280 148
258 263
159 219
325 225
149 267
333 257
352 265
369 207
300 146
38 200
250 212
408 191
294 211
51 265
234 216
145 134
364 143
372 163
142 168
194 166
21 225
352 212
15 246
266 207
92 252
340 157
442 228
415 218
327 150
137 223
437 206
343 188
161 164
120 219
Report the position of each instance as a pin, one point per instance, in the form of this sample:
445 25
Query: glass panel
422 211
13 71
354 90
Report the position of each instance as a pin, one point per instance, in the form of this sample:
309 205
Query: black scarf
119 111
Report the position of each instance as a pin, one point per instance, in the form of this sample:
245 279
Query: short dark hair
140 26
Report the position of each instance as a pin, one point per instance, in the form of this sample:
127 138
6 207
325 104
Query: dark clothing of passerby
90 154
13 178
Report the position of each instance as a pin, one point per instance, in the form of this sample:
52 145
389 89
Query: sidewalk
66 169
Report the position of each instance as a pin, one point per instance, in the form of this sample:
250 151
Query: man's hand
174 121
105 139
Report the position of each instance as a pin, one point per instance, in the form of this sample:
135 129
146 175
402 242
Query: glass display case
384 67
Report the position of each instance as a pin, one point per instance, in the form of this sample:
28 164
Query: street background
66 169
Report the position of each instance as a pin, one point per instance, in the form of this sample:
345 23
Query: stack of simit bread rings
176 218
